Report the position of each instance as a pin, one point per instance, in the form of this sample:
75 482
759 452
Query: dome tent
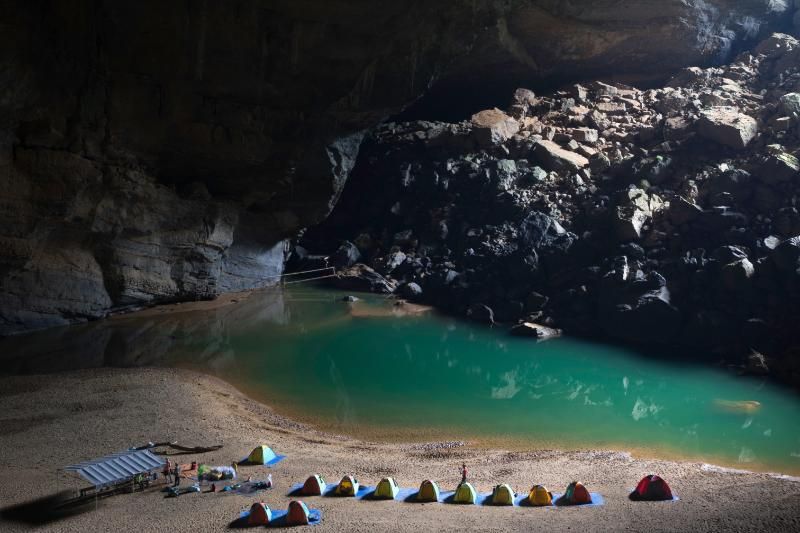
314 486
260 515
652 488
263 455
465 493
503 495
387 489
428 492
348 486
539 496
297 514
576 494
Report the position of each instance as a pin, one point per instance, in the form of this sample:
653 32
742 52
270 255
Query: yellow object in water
743 406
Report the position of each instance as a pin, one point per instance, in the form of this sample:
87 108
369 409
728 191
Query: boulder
628 223
346 255
649 318
411 291
535 302
728 254
521 103
534 330
585 135
492 126
360 277
727 126
682 211
790 104
481 313
736 275
634 208
553 157
394 260
787 255
539 231
756 364
677 128
778 167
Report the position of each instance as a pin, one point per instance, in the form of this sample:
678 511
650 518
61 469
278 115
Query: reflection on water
360 369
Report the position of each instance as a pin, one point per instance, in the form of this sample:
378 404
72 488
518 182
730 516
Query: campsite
400 265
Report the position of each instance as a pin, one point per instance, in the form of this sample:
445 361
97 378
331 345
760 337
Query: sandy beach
52 421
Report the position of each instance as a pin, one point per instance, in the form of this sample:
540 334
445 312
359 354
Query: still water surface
361 370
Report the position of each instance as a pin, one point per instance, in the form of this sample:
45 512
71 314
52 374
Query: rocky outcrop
666 236
155 151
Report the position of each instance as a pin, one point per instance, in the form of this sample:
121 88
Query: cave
410 233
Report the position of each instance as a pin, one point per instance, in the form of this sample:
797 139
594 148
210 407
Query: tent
465 493
348 486
387 489
314 486
539 496
576 494
503 495
652 488
298 514
260 515
428 491
261 455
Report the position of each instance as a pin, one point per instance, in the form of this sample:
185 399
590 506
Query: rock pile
665 216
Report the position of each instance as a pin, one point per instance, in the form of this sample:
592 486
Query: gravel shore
47 422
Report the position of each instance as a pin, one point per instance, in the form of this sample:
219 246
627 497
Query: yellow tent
387 489
261 455
428 491
503 495
465 493
348 486
539 496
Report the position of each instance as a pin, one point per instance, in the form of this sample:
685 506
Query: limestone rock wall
153 151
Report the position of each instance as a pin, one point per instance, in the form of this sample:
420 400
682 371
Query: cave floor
47 422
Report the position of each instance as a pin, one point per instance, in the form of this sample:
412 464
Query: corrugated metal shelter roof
117 467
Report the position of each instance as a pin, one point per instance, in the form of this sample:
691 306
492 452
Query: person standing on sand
168 471
463 473
177 474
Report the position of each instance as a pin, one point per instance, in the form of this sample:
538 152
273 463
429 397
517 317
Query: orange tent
260 515
298 513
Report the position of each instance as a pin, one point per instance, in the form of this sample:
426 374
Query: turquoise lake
361 370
